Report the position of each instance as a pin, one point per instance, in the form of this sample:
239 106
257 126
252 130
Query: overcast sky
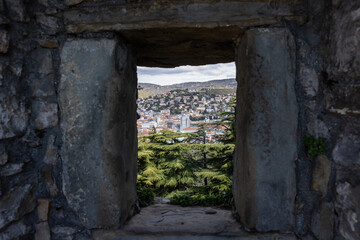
167 76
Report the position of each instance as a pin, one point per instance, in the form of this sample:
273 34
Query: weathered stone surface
99 130
43 2
72 2
62 232
42 83
16 204
309 80
42 231
322 223
347 149
43 86
344 99
345 40
348 210
204 30
3 155
48 43
316 127
16 9
49 24
13 117
321 174
266 145
15 230
46 115
45 62
16 67
4 41
31 139
47 175
43 209
11 169
51 154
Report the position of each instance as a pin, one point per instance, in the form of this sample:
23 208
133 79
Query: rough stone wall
328 92
33 203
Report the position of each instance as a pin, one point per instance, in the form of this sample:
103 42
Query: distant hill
147 89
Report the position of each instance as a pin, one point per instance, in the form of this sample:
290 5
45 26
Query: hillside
228 85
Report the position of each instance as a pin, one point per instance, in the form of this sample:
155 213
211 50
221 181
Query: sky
168 76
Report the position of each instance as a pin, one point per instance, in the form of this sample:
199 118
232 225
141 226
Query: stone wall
40 196
46 110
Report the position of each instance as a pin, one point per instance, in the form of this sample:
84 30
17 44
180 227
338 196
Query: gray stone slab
97 98
266 130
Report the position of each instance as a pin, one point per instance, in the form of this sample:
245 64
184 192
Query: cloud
167 76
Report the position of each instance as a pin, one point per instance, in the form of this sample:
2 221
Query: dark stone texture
4 41
14 231
15 204
47 176
51 154
46 115
49 24
16 10
321 174
347 149
13 117
11 169
323 222
99 130
345 39
266 128
347 205
3 156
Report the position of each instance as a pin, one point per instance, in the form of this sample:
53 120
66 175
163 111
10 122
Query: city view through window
186 135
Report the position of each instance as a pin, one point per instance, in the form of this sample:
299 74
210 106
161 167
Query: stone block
4 41
321 174
63 232
316 127
48 43
345 40
51 154
13 117
3 156
72 2
98 130
347 149
43 209
16 10
309 80
11 169
267 118
348 209
15 204
49 24
47 176
42 231
344 99
46 115
15 230
322 223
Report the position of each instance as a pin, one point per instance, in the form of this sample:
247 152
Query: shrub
315 146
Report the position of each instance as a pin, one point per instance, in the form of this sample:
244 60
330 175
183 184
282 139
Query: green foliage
315 146
170 165
223 198
145 195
